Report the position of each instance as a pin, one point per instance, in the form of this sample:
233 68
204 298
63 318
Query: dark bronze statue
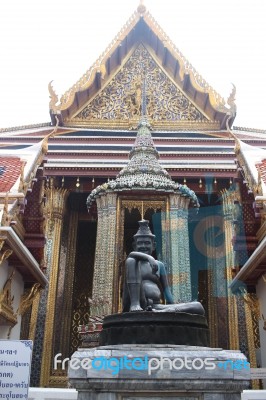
146 283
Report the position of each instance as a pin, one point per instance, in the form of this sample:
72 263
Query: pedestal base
138 372
147 327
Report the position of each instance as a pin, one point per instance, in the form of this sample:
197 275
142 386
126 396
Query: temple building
140 135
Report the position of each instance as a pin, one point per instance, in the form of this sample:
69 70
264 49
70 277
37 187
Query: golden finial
231 114
53 98
231 101
141 8
142 210
237 141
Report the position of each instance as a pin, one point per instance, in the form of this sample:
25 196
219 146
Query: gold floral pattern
121 98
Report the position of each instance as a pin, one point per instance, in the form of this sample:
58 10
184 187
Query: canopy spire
144 98
144 117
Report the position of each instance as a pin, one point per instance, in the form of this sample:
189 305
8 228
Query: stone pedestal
146 327
138 372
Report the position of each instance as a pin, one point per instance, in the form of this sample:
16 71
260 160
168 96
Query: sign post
15 362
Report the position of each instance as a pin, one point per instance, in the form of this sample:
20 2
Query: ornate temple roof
107 95
100 113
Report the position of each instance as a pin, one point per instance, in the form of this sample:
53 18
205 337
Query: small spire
143 157
141 8
144 118
144 98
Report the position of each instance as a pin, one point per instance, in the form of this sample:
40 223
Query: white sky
59 40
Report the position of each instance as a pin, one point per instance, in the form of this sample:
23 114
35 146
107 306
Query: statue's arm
137 255
165 284
142 256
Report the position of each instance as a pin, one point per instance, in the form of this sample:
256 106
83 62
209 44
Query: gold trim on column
212 303
233 323
50 312
212 312
56 199
69 282
228 202
251 343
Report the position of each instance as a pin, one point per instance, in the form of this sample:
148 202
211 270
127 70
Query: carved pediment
119 103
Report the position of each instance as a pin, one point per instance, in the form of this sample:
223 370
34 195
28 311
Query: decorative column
68 260
111 249
56 199
211 278
228 200
166 238
97 278
101 246
180 261
251 304
119 257
105 250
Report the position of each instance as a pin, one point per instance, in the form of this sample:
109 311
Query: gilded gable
119 102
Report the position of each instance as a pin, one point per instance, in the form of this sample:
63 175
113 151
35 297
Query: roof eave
253 263
29 266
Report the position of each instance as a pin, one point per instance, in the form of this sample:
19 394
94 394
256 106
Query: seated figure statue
146 283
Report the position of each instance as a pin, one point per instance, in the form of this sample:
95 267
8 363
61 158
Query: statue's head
144 240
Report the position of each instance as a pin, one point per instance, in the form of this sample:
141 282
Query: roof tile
10 170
